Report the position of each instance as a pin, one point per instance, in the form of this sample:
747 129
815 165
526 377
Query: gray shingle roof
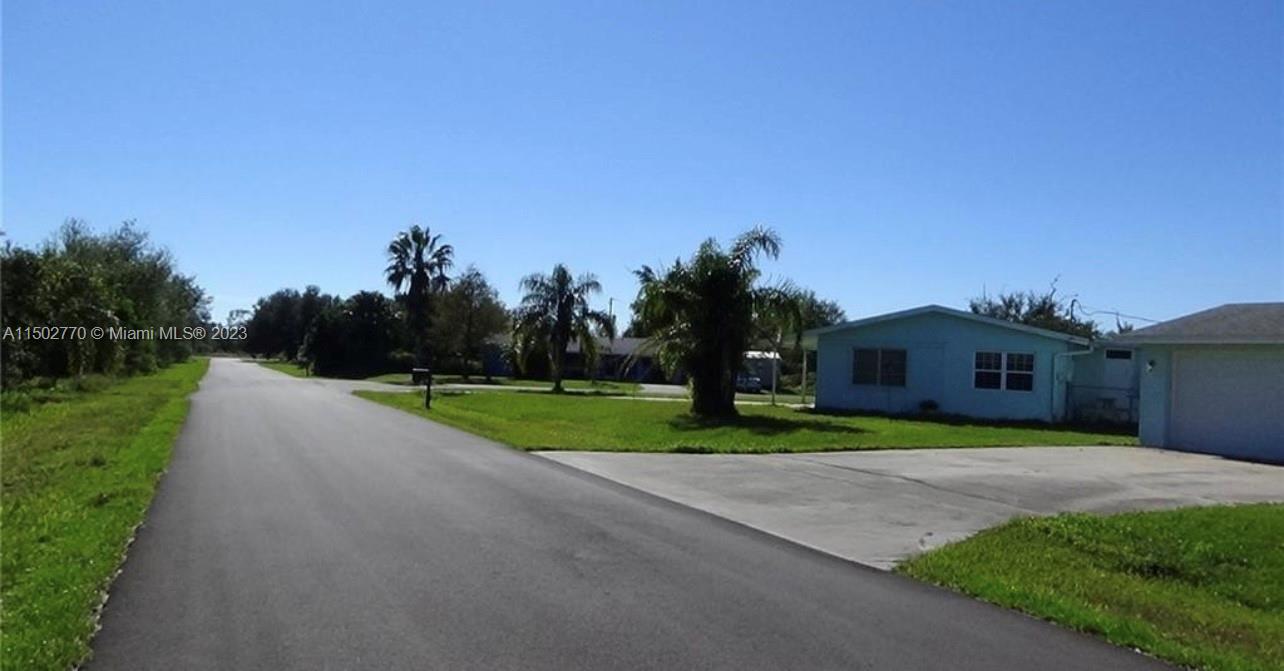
623 346
1230 324
810 337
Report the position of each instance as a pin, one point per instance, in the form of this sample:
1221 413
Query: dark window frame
987 365
890 367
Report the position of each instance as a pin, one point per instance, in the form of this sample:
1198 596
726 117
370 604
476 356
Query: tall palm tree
418 261
702 314
555 311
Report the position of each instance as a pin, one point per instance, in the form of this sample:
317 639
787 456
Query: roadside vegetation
289 368
540 421
1199 587
79 470
499 383
116 280
697 318
601 386
456 324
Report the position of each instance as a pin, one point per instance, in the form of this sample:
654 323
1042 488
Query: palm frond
757 240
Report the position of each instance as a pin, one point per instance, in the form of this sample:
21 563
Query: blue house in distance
939 358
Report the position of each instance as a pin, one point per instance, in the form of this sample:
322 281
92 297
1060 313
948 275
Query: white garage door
1229 401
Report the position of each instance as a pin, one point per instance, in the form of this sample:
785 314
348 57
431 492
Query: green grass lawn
537 421
78 471
391 378
600 386
1201 587
287 367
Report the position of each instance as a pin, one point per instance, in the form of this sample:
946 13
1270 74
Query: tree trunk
709 397
558 359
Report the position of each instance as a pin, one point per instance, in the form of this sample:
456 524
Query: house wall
1103 389
940 353
1156 369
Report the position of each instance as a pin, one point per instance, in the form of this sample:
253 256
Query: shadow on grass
762 425
571 392
456 379
963 420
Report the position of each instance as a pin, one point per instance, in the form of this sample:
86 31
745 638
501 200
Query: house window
882 367
1118 354
989 370
865 367
1020 373
1013 371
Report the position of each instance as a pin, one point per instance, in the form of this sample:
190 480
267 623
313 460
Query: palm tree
702 314
555 311
418 262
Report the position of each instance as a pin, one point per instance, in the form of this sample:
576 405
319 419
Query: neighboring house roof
1230 324
621 346
809 337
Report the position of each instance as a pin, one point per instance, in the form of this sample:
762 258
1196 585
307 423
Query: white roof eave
811 337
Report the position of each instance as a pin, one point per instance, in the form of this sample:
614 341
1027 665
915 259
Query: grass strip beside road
538 421
78 477
601 386
499 383
1200 587
287 367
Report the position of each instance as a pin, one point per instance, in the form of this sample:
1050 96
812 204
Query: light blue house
956 362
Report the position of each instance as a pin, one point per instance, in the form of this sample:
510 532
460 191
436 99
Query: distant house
939 358
623 358
1213 381
764 365
620 359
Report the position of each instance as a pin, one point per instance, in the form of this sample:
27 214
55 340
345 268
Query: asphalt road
303 528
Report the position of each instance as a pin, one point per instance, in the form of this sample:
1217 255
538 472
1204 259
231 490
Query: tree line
114 280
369 333
1041 309
699 316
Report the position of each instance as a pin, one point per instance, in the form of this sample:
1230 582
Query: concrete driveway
878 507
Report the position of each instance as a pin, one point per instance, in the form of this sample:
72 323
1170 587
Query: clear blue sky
908 153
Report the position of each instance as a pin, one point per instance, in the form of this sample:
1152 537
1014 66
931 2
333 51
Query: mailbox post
423 375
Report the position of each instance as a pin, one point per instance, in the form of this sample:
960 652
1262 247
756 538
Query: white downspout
1052 397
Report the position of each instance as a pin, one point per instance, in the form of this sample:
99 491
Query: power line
1089 310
